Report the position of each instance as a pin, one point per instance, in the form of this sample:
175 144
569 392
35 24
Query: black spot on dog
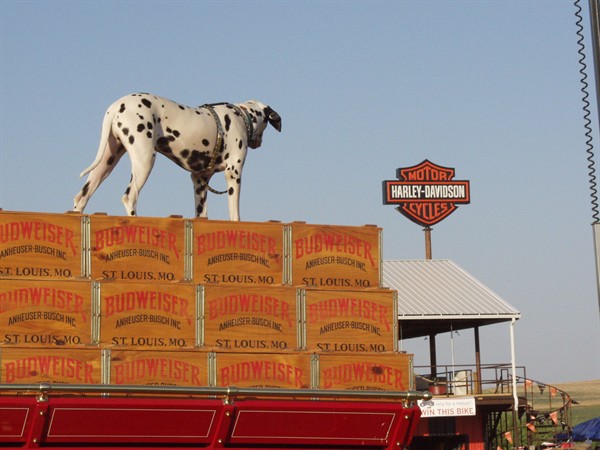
181 107
199 191
240 144
198 161
119 124
199 209
226 157
162 145
126 131
227 122
110 161
205 142
131 139
127 191
231 191
169 130
84 190
185 153
122 109
176 133
147 103
141 127
149 125
149 134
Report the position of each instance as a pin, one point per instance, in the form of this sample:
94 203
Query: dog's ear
274 118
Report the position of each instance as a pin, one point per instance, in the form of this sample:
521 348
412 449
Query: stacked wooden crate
173 301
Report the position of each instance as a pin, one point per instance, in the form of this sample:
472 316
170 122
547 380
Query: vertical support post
597 254
427 231
517 436
594 9
432 355
477 361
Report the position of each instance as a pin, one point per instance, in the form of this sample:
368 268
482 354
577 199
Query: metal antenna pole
595 23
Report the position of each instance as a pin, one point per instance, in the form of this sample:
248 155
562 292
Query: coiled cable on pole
586 114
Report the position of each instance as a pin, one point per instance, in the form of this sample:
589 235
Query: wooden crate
239 253
140 315
249 318
148 249
46 312
156 367
334 257
262 370
350 321
70 365
383 372
42 246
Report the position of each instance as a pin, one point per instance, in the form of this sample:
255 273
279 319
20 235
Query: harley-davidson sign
426 193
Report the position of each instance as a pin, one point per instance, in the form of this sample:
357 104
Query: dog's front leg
233 176
200 190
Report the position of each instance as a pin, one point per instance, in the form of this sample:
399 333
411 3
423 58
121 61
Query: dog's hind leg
141 166
113 152
200 190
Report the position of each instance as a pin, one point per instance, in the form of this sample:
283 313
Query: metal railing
468 379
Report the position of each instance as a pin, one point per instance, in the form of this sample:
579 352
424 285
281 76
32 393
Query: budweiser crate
147 249
46 312
262 370
156 367
249 318
152 315
350 321
240 253
65 365
334 257
383 372
42 246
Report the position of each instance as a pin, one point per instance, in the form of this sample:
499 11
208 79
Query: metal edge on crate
395 319
200 297
96 321
228 392
188 251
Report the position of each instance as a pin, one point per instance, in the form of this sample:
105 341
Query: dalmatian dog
203 140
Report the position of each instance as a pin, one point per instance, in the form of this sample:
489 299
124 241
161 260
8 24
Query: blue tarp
587 430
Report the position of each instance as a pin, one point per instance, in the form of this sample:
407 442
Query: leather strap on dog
218 144
249 126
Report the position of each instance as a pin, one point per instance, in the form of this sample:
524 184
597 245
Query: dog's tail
106 129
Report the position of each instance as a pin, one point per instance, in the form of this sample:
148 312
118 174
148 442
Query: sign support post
427 231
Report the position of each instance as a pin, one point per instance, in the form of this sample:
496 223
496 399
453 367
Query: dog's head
260 115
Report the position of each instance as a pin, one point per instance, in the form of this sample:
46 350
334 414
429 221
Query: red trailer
118 416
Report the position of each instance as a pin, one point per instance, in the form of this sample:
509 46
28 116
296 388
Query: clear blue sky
490 88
